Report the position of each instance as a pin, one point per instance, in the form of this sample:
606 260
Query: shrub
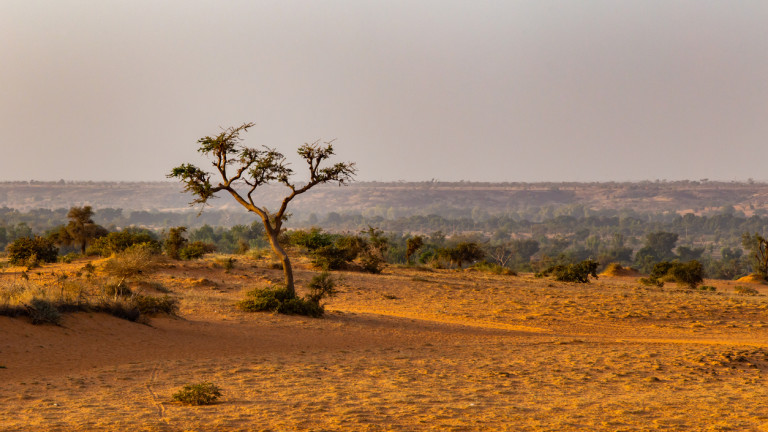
690 273
203 393
151 305
175 242
707 288
30 250
43 312
280 300
579 272
320 287
196 250
116 242
489 267
117 290
120 308
461 253
135 260
745 290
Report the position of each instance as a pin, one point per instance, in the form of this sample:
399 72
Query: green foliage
280 300
174 242
689 273
413 244
579 272
757 246
81 228
311 240
320 287
461 253
203 393
30 250
119 241
196 250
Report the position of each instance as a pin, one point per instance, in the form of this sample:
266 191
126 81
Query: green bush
579 272
31 250
116 242
690 273
203 393
279 300
320 287
196 250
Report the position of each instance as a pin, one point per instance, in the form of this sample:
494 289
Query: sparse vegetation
203 393
745 290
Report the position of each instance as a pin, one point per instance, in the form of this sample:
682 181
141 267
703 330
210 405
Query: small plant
745 290
203 393
320 287
707 288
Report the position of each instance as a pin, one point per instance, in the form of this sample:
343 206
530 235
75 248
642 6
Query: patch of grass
707 288
203 393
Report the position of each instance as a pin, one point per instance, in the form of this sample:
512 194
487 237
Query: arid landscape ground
410 349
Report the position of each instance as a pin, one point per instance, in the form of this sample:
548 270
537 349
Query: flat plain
410 349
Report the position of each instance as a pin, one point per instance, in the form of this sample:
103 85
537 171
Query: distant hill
402 199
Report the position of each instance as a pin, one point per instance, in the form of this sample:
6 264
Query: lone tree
241 170
80 230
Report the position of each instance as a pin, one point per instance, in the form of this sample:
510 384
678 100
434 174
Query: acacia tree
241 170
80 229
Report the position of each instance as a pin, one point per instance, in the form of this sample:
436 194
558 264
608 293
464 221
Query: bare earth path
407 350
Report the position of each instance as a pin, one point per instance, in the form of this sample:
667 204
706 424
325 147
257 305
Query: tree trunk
287 269
82 247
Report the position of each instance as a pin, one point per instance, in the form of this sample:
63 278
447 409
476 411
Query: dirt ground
406 350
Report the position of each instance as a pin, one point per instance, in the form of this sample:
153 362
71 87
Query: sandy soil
406 350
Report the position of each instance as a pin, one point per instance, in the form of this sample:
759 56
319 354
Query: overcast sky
413 90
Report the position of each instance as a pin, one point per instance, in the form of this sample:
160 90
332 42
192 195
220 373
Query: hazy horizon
524 91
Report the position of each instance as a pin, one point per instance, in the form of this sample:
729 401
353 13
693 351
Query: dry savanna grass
405 350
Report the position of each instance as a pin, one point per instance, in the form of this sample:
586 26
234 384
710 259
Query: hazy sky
475 90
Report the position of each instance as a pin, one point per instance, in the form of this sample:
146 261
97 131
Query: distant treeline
569 233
